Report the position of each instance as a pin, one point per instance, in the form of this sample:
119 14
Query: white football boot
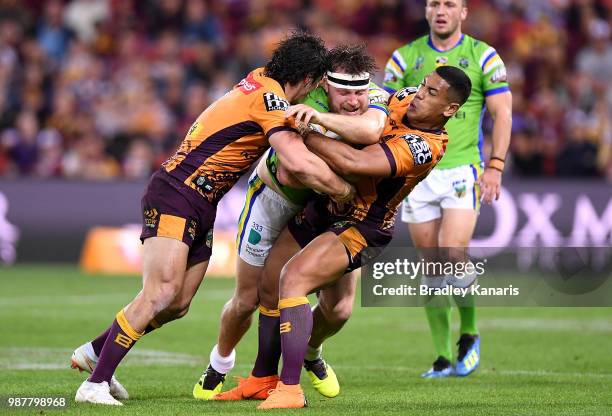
98 393
85 359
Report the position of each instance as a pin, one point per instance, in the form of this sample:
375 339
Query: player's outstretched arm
364 129
500 107
308 168
347 161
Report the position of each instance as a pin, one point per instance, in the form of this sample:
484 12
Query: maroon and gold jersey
229 136
412 154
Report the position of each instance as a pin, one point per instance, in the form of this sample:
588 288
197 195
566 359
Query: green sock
467 312
439 324
468 320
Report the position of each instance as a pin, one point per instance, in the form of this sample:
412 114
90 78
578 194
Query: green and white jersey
412 62
318 100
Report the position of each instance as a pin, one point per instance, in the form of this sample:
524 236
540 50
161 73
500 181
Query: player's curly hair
297 57
352 59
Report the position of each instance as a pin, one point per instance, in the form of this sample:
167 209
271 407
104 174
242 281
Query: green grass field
541 361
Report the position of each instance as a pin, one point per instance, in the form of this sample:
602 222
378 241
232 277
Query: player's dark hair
297 57
460 86
352 59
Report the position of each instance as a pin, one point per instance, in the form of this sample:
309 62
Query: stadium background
95 94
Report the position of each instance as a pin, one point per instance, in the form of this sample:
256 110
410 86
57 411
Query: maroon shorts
363 241
172 209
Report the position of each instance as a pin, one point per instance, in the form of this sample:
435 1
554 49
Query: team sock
439 318
153 325
121 338
220 363
313 354
468 320
269 351
98 343
295 329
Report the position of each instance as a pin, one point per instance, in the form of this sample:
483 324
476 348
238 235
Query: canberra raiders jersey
318 100
412 62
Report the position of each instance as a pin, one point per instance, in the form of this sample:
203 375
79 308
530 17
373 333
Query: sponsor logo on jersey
405 92
378 97
441 60
273 102
248 85
499 75
193 128
421 153
418 64
204 183
463 62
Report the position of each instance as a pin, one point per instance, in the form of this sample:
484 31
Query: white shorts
264 215
442 189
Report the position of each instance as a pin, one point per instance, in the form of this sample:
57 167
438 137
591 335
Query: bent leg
334 308
269 345
321 262
164 267
237 313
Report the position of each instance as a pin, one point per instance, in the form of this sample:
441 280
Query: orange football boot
285 396
250 388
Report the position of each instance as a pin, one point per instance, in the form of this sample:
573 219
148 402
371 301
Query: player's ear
324 84
451 110
464 11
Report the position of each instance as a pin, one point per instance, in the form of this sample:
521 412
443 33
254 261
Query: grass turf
534 361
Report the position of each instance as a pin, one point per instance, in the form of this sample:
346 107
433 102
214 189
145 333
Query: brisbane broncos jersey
229 136
412 154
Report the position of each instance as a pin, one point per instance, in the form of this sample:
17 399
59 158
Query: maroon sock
98 342
153 325
269 352
295 329
121 338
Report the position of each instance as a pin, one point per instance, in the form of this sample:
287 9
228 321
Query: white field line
58 359
42 300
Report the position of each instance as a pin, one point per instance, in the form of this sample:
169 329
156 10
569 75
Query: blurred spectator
53 36
139 161
22 142
82 17
88 160
89 88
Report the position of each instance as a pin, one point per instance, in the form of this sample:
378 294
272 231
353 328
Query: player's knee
268 296
337 314
244 305
162 296
343 311
291 277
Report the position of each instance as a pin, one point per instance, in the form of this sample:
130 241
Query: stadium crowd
100 89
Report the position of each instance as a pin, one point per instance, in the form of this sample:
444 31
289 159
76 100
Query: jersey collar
431 45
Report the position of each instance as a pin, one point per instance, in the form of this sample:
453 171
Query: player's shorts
264 215
174 210
443 189
363 241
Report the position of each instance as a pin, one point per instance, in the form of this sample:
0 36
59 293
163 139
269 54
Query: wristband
496 163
